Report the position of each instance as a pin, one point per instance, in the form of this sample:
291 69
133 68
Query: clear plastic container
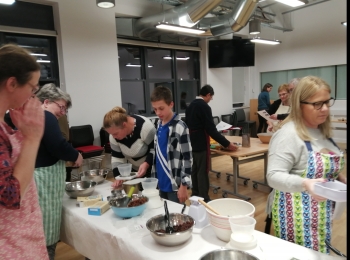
150 183
242 228
332 190
124 169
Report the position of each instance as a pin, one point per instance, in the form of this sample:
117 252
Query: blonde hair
117 116
283 87
307 87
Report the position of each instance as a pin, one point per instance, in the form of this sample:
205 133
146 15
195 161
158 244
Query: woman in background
21 224
50 170
132 140
264 104
301 154
279 108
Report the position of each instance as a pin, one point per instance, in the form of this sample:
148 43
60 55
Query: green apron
50 182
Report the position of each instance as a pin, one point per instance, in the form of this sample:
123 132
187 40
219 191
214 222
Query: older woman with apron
302 153
50 171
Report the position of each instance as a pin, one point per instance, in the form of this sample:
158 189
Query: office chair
104 138
216 120
241 122
82 139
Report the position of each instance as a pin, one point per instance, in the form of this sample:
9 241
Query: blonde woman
132 140
279 109
302 153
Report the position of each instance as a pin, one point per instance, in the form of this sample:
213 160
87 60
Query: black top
53 147
273 108
199 120
8 120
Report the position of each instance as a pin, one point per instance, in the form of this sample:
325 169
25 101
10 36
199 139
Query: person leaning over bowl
302 153
131 139
50 169
21 227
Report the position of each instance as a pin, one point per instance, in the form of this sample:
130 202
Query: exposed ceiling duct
192 13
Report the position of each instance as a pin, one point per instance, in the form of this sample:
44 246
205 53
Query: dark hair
183 94
205 90
266 86
16 62
162 93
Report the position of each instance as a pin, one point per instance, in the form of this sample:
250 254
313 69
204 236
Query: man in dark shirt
200 122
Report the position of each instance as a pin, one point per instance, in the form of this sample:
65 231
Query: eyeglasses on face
62 108
35 88
318 105
282 94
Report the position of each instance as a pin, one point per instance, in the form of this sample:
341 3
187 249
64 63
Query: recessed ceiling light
292 3
7 2
105 3
343 23
265 41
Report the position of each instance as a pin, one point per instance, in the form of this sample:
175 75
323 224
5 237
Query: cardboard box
88 201
98 208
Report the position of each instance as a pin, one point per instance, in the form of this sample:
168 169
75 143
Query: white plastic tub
332 190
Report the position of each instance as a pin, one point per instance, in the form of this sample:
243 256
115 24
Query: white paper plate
332 190
132 176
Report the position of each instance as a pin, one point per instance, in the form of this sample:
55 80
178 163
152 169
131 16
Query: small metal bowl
175 238
96 175
80 188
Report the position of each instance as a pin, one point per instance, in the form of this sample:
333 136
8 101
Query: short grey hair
294 82
52 93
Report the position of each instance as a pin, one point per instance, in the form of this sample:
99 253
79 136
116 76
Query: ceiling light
343 23
7 2
292 3
38 54
254 27
178 58
105 3
43 61
264 41
150 66
133 65
177 28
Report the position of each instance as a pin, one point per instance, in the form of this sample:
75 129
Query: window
152 67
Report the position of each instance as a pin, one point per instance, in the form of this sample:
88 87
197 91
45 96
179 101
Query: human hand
79 161
117 183
182 194
29 119
142 169
274 116
342 178
309 185
232 147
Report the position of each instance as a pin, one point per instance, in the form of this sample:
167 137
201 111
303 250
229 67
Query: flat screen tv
231 53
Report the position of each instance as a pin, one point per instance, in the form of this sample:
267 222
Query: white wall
89 66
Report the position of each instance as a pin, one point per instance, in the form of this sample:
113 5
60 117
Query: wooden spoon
208 207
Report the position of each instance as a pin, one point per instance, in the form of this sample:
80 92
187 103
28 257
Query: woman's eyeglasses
62 108
318 105
282 94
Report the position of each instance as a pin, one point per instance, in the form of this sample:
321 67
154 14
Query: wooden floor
254 171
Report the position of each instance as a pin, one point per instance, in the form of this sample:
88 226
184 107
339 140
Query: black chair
216 120
104 138
82 139
241 122
232 120
183 119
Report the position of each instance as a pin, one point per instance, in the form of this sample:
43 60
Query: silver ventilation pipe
188 15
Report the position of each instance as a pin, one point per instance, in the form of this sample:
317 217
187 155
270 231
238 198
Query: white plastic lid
243 245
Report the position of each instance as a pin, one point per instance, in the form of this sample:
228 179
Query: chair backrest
81 135
183 118
234 119
216 120
104 137
240 115
227 118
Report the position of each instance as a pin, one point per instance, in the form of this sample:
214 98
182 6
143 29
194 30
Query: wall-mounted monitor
231 53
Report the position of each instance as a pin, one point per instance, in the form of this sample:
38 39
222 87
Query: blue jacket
264 101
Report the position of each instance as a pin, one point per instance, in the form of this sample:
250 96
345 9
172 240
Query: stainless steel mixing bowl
173 239
231 254
96 175
80 188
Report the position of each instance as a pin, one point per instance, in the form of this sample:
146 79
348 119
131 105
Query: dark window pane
169 85
158 58
133 94
129 62
186 64
186 94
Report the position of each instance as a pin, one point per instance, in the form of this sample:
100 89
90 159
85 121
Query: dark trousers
172 196
200 175
262 124
51 250
69 173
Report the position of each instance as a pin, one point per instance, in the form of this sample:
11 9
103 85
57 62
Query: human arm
274 107
28 119
64 127
282 116
187 160
182 194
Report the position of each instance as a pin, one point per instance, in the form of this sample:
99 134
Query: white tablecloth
110 237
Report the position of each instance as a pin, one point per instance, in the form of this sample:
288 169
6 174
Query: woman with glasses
279 108
21 228
50 170
301 154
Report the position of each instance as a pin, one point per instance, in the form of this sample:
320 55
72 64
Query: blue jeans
172 195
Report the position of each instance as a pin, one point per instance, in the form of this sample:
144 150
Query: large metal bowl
173 239
96 175
231 254
127 212
80 188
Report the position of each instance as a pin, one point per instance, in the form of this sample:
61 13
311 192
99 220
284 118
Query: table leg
255 183
235 185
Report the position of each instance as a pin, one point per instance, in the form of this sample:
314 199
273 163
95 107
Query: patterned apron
297 217
50 182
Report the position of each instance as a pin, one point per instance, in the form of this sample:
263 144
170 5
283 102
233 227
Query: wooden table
256 149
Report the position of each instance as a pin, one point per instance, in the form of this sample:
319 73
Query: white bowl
124 169
332 190
227 207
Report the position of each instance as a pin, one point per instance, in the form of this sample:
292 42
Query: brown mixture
137 202
179 228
